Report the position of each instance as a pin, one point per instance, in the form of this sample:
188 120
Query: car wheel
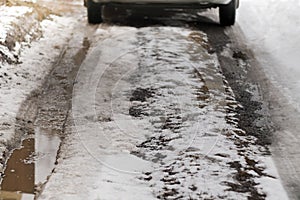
94 11
227 13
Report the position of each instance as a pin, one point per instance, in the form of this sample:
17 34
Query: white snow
111 155
8 15
272 30
273 190
9 20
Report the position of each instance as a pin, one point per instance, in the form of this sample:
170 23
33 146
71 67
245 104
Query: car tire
94 11
227 13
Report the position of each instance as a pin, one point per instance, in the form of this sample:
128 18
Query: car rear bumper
206 3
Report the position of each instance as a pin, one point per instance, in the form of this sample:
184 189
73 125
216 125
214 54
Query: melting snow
155 120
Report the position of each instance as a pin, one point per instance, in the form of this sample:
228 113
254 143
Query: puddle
29 165
46 146
19 176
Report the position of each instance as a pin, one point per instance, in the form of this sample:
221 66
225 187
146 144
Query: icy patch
46 148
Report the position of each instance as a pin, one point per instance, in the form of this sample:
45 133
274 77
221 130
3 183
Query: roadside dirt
280 120
239 68
241 71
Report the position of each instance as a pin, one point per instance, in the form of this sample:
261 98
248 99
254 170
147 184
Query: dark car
227 8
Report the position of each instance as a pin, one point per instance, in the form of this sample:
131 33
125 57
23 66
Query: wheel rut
40 125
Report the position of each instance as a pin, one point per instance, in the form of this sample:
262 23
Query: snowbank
19 26
26 71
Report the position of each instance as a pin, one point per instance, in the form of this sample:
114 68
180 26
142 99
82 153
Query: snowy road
273 33
164 107
155 118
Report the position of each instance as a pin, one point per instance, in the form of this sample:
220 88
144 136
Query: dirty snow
273 32
154 119
17 81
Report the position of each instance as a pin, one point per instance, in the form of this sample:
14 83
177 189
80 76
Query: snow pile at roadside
155 119
19 26
273 30
17 81
8 15
9 18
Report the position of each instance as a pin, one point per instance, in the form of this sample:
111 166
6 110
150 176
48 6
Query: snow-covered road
159 112
155 119
272 31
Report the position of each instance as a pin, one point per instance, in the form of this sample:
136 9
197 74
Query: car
227 8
